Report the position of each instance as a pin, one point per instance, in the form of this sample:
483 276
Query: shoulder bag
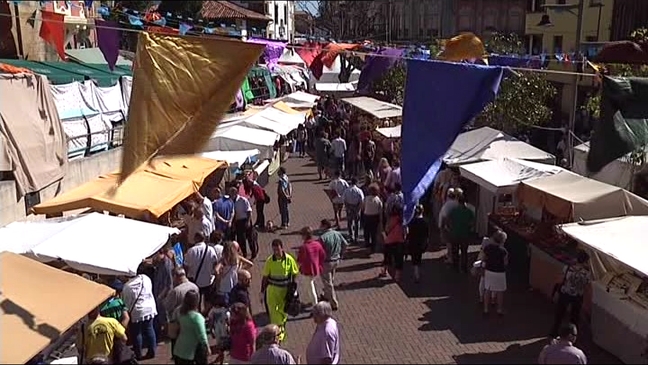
202 261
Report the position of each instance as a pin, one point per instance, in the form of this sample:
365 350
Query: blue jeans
284 211
140 332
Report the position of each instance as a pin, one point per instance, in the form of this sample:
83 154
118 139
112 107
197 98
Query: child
217 324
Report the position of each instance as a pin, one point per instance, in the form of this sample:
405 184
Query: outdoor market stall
620 293
111 252
297 100
241 138
337 89
150 192
561 198
497 181
374 107
490 144
618 172
39 304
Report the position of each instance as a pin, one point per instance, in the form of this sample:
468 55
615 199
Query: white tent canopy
240 138
623 239
390 132
490 144
375 107
261 122
505 174
297 100
233 158
618 172
95 243
336 87
290 56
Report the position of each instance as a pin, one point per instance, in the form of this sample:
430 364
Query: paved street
437 321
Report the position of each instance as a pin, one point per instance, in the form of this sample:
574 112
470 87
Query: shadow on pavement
514 354
372 283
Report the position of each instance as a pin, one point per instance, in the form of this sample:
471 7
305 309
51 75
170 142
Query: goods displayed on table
632 287
543 234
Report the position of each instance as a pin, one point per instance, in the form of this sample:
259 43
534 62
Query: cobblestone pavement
435 321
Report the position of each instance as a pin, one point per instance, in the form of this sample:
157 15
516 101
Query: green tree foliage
391 87
185 8
521 103
523 99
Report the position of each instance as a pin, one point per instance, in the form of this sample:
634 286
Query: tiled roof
228 10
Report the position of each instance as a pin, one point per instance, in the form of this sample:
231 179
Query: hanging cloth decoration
183 28
464 47
272 52
53 31
109 38
377 66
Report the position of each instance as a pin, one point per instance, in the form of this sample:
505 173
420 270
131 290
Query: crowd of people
198 286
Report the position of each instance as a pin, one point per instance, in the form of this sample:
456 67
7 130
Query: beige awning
39 303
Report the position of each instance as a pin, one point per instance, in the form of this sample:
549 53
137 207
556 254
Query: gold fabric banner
182 86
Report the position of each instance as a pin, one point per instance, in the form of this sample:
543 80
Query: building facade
24 20
282 13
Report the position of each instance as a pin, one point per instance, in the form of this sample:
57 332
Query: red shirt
311 258
242 336
257 193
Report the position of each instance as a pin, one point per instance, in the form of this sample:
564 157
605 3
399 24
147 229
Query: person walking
461 224
570 292
311 259
191 345
300 140
268 350
372 213
200 265
448 205
242 219
334 245
393 250
337 187
339 148
495 263
261 198
279 271
324 346
138 297
417 240
284 197
353 198
242 334
562 349
322 152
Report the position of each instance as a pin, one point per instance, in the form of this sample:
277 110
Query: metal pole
572 119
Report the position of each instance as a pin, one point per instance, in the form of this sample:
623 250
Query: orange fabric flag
161 30
53 31
182 86
466 46
334 49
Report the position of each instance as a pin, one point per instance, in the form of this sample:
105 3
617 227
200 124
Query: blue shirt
179 256
224 207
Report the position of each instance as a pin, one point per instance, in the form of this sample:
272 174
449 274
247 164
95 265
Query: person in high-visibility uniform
280 269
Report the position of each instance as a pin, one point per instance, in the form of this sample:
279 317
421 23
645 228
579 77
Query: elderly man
242 219
268 350
334 244
562 349
240 293
324 346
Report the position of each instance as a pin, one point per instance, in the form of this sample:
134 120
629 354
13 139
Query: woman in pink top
311 259
242 334
394 242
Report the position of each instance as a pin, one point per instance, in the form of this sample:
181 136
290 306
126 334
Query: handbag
555 295
173 329
293 305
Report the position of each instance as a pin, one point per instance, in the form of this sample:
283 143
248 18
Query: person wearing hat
562 349
115 307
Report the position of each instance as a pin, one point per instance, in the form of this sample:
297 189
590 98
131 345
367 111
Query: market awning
390 132
235 158
151 190
39 303
55 76
506 174
94 56
624 239
336 87
102 78
570 196
111 253
375 107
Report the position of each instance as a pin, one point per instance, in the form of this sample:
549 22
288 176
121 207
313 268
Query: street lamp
545 21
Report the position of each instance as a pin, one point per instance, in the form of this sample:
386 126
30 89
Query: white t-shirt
229 278
339 147
204 226
372 205
208 209
192 261
339 186
138 298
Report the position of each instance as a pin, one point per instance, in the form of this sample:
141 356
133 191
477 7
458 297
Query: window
286 14
276 13
535 6
591 38
561 2
31 200
558 43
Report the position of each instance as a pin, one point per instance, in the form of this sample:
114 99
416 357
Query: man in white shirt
339 147
337 187
206 206
140 302
353 198
200 264
394 176
242 219
450 203
197 222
